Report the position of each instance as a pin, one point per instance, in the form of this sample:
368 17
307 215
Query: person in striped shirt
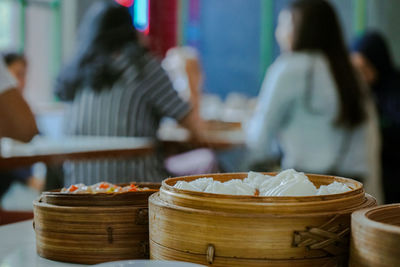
116 88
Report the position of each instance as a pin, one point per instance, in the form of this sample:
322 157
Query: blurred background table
217 135
51 153
55 151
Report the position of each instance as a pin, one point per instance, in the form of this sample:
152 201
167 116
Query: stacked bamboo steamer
228 230
93 228
375 237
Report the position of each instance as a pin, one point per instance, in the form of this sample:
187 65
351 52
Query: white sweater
307 136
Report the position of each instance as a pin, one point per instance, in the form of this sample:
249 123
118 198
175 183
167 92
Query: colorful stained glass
141 15
126 3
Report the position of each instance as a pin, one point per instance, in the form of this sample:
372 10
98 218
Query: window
9 23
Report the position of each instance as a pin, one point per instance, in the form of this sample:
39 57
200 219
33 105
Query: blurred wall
384 15
229 44
39 53
69 13
49 43
163 26
82 7
345 13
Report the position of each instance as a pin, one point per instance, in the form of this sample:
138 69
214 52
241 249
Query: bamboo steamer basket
231 230
93 228
375 236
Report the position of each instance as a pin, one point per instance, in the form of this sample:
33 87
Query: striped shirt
132 106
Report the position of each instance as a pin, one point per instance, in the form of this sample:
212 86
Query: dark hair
374 47
12 57
316 28
106 32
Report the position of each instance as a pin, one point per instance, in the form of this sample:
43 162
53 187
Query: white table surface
42 145
18 248
174 132
14 154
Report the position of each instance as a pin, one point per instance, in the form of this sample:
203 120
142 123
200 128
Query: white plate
148 263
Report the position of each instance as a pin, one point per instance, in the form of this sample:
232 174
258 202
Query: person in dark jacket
371 55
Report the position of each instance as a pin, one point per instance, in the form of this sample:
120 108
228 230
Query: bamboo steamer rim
77 209
367 218
157 201
152 186
137 198
357 188
57 193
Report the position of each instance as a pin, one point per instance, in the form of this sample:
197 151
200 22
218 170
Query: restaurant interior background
234 39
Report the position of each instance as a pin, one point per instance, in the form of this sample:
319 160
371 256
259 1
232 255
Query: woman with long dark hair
116 88
372 57
312 104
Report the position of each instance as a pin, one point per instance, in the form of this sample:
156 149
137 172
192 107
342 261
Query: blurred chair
9 216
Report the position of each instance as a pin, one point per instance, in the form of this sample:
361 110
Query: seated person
312 103
116 88
16 118
17 66
372 57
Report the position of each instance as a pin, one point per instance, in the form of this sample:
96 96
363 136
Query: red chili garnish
104 186
72 188
133 188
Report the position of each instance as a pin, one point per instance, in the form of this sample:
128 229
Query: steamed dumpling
291 188
255 179
186 186
240 188
333 188
219 188
231 187
202 183
285 183
288 183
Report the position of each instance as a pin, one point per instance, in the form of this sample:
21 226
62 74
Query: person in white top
16 118
312 103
